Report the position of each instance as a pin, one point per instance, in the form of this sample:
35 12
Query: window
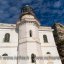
45 38
5 54
33 58
30 33
7 37
48 52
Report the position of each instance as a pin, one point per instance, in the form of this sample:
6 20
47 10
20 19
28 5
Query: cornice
7 26
28 20
44 28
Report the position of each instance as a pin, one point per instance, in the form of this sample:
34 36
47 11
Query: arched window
50 61
33 58
45 38
4 61
30 33
7 37
48 52
5 54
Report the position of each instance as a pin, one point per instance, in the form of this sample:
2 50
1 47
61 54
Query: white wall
50 38
9 48
13 37
24 32
12 52
50 46
28 47
27 44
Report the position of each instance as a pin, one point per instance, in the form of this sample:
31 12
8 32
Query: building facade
27 38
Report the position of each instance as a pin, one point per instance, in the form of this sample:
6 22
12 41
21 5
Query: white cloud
26 1
57 4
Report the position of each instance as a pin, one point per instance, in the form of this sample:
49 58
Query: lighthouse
36 43
29 44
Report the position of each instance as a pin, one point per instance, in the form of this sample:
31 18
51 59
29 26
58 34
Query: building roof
27 10
5 25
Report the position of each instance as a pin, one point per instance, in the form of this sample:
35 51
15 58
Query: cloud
57 4
25 1
4 2
14 9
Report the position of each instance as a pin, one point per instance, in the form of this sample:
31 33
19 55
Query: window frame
5 54
7 37
33 58
30 33
45 38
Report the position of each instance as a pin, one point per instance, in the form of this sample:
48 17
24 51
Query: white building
27 39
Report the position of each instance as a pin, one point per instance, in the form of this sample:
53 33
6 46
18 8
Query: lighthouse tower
29 45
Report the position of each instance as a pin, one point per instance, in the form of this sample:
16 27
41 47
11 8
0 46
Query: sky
48 12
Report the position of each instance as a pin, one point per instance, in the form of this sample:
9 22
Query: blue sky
47 11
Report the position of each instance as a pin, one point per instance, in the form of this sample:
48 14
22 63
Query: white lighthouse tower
29 44
35 41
